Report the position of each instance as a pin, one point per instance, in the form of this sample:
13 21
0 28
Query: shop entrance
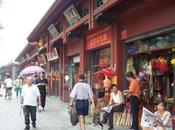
55 78
151 59
73 68
97 60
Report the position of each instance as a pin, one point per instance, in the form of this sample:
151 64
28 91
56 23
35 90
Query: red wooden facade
120 20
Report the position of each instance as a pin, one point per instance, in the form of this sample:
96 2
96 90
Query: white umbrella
32 70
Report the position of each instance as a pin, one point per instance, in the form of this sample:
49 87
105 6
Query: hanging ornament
108 72
41 42
107 82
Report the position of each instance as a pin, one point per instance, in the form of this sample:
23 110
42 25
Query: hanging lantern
41 42
107 82
108 72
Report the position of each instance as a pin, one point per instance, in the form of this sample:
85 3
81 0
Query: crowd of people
82 92
32 91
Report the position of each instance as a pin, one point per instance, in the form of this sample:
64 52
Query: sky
18 18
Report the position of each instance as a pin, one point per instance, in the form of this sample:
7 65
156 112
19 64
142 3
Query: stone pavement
54 118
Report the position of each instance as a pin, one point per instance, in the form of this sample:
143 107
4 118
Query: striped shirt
81 91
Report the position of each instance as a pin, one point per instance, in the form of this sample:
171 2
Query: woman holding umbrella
42 84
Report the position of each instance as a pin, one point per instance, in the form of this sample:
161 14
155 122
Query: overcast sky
18 17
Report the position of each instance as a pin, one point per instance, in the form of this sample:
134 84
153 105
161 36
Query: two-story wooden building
90 35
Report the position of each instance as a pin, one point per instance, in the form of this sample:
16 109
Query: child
97 112
96 118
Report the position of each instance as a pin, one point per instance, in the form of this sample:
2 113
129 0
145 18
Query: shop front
98 47
148 42
72 66
54 74
73 70
152 60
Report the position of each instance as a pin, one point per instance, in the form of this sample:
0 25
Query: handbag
73 117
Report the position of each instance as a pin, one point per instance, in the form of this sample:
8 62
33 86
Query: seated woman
116 103
166 123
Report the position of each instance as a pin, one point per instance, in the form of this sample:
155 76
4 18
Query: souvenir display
152 60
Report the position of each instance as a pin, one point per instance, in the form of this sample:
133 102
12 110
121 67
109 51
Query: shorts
82 107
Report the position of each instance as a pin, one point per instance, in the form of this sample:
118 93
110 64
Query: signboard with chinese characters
71 15
52 55
53 31
98 39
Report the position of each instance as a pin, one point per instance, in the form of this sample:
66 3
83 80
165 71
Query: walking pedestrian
8 82
80 95
18 86
116 103
30 99
35 79
42 84
134 95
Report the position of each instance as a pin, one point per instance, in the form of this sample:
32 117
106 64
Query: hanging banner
52 55
52 30
71 14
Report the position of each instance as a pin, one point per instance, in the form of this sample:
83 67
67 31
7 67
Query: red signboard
124 35
99 39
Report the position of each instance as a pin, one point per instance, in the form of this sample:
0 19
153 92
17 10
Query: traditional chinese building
11 69
91 35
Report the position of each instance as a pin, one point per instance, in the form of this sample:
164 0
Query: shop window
151 60
152 44
99 59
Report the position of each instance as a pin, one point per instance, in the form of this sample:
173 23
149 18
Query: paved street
54 118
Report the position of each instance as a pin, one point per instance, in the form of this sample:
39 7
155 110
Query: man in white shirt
30 99
8 85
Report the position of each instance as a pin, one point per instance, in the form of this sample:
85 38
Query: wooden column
117 54
63 71
83 56
91 14
61 76
49 69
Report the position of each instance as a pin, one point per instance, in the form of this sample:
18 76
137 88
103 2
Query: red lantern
108 72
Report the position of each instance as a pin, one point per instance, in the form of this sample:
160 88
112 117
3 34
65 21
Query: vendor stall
152 60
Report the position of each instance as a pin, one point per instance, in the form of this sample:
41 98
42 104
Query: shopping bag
91 110
73 116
